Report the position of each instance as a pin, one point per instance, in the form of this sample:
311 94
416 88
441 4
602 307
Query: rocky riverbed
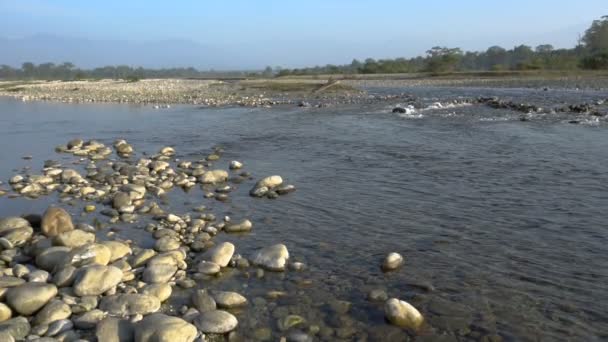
67 279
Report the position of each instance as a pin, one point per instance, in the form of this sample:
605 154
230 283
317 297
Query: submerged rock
241 227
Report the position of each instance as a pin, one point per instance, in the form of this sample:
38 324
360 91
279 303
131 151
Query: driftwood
330 83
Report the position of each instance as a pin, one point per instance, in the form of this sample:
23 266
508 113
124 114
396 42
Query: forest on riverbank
591 53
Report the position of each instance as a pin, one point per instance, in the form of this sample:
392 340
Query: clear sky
310 31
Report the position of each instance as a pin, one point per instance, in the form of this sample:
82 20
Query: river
502 223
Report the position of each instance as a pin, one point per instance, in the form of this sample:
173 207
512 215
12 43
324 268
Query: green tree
443 59
595 38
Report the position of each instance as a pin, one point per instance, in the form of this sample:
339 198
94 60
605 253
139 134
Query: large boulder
273 258
163 328
94 280
28 298
402 314
220 254
55 221
216 322
129 304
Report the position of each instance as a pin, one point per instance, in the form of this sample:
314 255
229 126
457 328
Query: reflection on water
502 223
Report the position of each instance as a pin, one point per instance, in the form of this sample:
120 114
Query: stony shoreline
68 280
303 92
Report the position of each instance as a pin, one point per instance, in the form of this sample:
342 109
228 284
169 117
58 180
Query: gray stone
52 257
159 273
228 299
112 329
96 279
129 304
402 314
55 310
28 298
220 254
74 238
163 328
17 327
89 320
202 301
216 322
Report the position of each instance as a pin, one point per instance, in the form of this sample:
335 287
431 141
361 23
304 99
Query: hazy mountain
94 53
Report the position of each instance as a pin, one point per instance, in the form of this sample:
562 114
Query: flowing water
503 224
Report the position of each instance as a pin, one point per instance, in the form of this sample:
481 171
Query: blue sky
312 31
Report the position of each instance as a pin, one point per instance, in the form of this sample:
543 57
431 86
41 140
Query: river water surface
503 223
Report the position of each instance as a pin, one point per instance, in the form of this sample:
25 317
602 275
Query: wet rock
113 329
392 262
241 227
55 221
74 238
220 254
285 189
28 298
96 279
17 327
208 268
290 321
228 299
402 314
159 273
377 295
263 186
163 328
167 151
214 177
129 304
55 310
399 110
202 301
89 320
273 258
235 165
215 322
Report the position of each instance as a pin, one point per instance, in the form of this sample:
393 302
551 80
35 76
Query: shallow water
502 223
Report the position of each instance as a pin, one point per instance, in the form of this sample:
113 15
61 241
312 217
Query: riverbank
319 90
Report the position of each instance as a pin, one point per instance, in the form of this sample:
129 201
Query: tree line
590 53
68 71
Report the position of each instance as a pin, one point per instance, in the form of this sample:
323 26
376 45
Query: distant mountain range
86 53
